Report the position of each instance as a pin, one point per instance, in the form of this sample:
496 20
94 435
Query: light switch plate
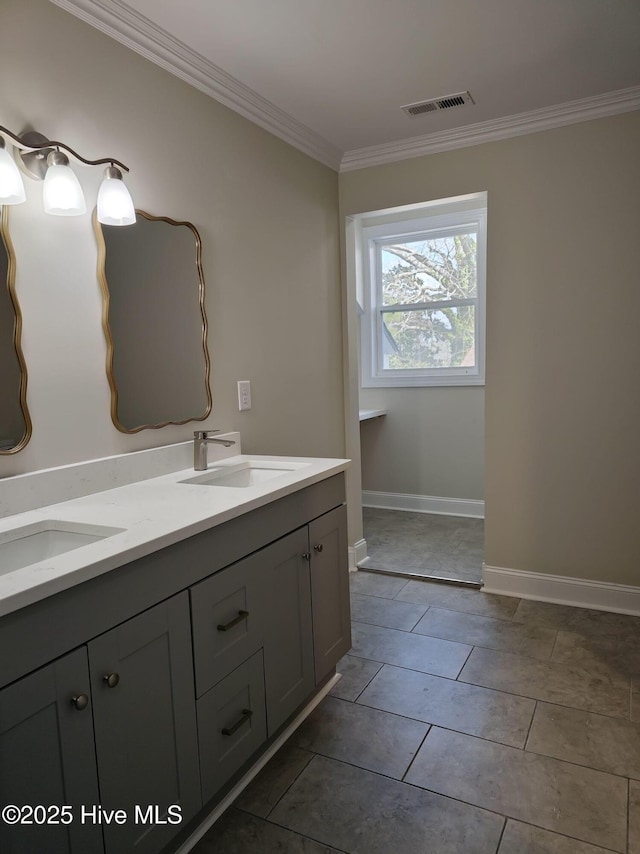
244 395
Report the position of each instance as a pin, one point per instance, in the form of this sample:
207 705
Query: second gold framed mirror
155 322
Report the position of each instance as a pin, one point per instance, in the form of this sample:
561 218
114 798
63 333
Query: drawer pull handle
242 615
318 548
246 716
80 702
111 679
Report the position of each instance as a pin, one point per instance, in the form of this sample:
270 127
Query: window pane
430 338
442 268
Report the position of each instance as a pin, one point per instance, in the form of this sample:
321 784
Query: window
424 295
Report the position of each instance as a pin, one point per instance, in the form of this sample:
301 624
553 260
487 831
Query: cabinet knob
111 679
318 548
306 556
80 702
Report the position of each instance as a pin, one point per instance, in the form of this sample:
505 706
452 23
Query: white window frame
374 237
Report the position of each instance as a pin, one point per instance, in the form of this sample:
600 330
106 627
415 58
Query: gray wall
562 467
431 442
268 219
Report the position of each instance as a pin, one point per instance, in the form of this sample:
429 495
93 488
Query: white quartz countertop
152 514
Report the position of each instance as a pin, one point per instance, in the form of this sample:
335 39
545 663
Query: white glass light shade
115 206
11 186
62 194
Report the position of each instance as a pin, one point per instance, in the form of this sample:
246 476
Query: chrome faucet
201 438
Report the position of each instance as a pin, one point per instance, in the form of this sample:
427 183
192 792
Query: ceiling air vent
447 102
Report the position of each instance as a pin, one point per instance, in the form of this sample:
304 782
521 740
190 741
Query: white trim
562 589
423 504
226 802
357 554
138 33
534 121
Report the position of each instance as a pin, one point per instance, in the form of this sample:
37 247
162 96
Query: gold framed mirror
154 322
15 422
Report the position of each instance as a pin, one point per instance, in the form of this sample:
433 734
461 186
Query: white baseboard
561 589
357 553
424 504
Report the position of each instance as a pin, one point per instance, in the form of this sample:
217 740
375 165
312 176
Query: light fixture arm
48 144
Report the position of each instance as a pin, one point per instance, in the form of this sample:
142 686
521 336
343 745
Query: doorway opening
416 291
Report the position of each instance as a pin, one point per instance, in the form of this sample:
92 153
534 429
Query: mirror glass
155 322
15 424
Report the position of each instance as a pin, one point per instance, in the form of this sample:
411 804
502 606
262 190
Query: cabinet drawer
231 724
226 627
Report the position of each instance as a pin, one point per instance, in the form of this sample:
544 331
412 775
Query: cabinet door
47 757
145 725
330 590
288 638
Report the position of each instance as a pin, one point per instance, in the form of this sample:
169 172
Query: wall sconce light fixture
46 160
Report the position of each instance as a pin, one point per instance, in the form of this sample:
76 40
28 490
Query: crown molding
571 112
117 20
138 33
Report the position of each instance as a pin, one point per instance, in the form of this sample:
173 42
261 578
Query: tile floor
464 723
424 543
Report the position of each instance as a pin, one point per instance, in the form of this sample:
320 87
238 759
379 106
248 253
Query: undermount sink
30 544
249 473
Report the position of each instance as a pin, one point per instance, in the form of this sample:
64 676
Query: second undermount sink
22 547
249 473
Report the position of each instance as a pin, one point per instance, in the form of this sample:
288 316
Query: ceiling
334 73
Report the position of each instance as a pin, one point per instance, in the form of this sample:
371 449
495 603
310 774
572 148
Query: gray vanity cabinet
145 725
47 757
158 683
329 590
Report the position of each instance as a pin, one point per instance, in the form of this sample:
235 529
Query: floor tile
430 655
393 557
374 584
548 681
458 599
266 789
532 640
634 817
521 838
572 619
466 708
600 653
364 813
356 674
425 543
609 744
452 561
568 799
635 700
240 833
368 738
385 612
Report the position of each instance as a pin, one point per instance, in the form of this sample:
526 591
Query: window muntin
425 301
